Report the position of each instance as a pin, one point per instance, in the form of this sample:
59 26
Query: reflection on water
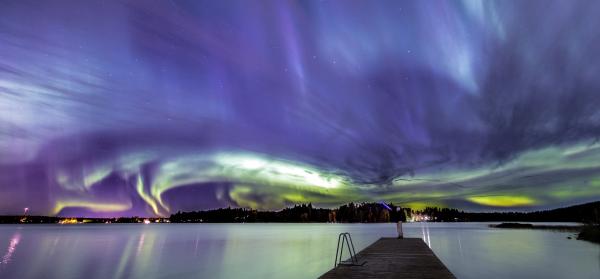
470 250
425 230
14 241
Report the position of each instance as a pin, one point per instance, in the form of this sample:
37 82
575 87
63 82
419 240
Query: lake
469 250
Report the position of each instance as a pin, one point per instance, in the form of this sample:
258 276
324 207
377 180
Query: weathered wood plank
407 258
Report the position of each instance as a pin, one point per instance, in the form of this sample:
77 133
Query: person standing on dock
399 230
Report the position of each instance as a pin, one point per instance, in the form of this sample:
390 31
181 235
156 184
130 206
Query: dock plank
408 258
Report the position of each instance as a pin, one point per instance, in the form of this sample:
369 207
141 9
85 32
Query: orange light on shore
68 221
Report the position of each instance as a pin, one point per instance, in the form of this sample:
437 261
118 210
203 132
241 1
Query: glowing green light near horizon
483 185
91 205
503 201
277 181
238 168
147 198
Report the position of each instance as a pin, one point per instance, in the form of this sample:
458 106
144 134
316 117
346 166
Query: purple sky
114 108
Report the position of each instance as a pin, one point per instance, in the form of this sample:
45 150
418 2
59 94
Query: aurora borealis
112 108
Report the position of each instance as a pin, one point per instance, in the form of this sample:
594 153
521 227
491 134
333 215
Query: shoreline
586 232
529 225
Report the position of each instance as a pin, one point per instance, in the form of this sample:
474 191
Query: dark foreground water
469 250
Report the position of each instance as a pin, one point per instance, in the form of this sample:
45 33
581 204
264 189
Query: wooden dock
408 258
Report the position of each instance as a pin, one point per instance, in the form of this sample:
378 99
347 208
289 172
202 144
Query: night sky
111 108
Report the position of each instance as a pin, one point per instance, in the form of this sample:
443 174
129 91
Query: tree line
348 213
381 213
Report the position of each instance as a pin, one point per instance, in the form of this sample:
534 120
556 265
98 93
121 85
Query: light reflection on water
426 238
470 250
14 241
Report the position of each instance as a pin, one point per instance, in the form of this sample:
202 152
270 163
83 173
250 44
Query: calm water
469 250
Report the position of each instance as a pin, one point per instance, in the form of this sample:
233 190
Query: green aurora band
278 182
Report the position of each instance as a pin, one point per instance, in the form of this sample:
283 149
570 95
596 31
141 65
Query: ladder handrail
345 237
337 250
353 250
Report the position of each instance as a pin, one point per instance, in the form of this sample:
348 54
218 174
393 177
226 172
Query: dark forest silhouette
375 212
349 213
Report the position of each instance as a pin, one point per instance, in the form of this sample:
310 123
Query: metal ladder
353 261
